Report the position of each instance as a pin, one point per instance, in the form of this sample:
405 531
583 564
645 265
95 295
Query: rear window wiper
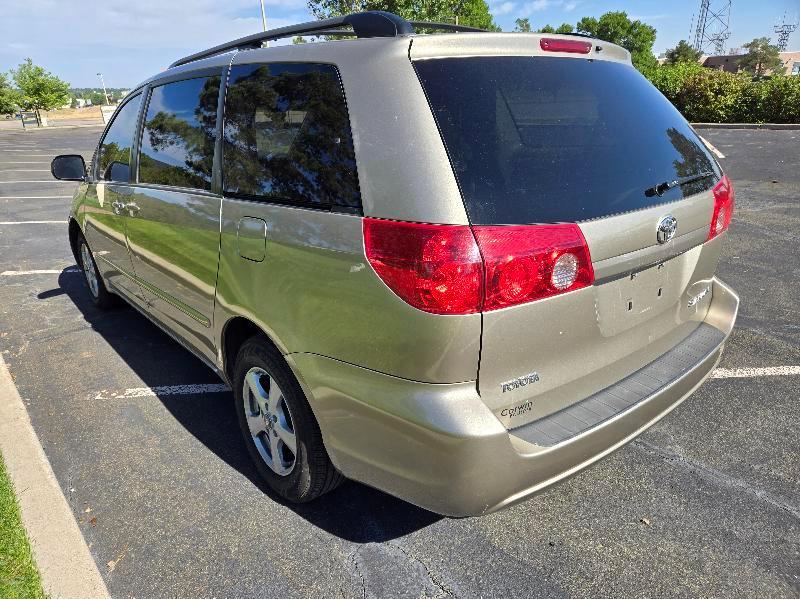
662 188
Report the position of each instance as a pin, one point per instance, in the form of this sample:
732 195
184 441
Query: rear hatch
567 139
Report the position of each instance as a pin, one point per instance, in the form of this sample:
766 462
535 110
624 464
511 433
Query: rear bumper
440 447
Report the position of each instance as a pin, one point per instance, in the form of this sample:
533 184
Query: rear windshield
546 140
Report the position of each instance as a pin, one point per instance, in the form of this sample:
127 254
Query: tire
271 407
100 295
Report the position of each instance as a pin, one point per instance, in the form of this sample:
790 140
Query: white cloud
570 6
504 8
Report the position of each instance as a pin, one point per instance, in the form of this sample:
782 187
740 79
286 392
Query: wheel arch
235 332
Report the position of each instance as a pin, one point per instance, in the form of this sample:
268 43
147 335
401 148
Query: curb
65 564
774 126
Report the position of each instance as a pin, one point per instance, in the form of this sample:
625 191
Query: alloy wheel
270 421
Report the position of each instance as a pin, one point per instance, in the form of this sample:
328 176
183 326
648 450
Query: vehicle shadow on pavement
353 512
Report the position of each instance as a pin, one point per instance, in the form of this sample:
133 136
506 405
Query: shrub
707 95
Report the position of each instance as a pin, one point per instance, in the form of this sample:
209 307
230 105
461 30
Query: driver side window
114 157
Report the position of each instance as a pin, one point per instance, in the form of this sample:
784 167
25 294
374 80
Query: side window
287 136
178 135
114 157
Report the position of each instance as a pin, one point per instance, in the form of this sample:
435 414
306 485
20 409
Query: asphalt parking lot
706 503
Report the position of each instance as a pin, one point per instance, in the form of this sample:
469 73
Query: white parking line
164 390
739 373
21 273
198 389
33 222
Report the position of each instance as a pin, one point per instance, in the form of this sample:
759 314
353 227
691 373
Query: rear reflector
526 263
455 269
724 198
549 44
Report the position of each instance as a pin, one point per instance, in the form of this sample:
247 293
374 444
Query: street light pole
264 20
263 16
105 93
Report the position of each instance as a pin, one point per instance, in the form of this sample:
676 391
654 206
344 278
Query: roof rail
445 27
374 23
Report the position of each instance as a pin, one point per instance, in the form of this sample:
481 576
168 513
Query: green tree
563 28
635 36
761 57
97 98
683 52
38 89
522 25
8 96
474 13
299 39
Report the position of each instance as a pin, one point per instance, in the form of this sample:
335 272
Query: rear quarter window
287 137
548 140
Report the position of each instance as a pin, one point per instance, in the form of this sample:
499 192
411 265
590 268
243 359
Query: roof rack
374 23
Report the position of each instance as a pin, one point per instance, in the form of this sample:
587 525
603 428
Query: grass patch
19 577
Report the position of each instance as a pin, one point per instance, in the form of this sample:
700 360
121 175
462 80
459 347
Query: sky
130 40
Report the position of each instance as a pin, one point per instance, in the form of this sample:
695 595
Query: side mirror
68 167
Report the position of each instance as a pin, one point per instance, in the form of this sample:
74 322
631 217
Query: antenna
784 30
713 26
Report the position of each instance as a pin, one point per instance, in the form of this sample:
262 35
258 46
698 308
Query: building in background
730 62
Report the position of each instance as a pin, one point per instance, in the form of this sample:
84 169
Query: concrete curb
776 126
60 551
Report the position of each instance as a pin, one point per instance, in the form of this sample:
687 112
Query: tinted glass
287 136
114 158
178 136
544 140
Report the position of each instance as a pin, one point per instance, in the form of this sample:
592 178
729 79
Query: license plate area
637 296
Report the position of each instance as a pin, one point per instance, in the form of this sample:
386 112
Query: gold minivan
458 267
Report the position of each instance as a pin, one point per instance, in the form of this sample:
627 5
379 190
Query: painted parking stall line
740 373
24 273
161 391
43 181
33 222
200 389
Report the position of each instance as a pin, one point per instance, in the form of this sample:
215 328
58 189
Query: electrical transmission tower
784 30
713 26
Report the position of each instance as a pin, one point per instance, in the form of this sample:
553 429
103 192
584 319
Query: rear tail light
549 44
436 268
724 198
527 263
455 269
